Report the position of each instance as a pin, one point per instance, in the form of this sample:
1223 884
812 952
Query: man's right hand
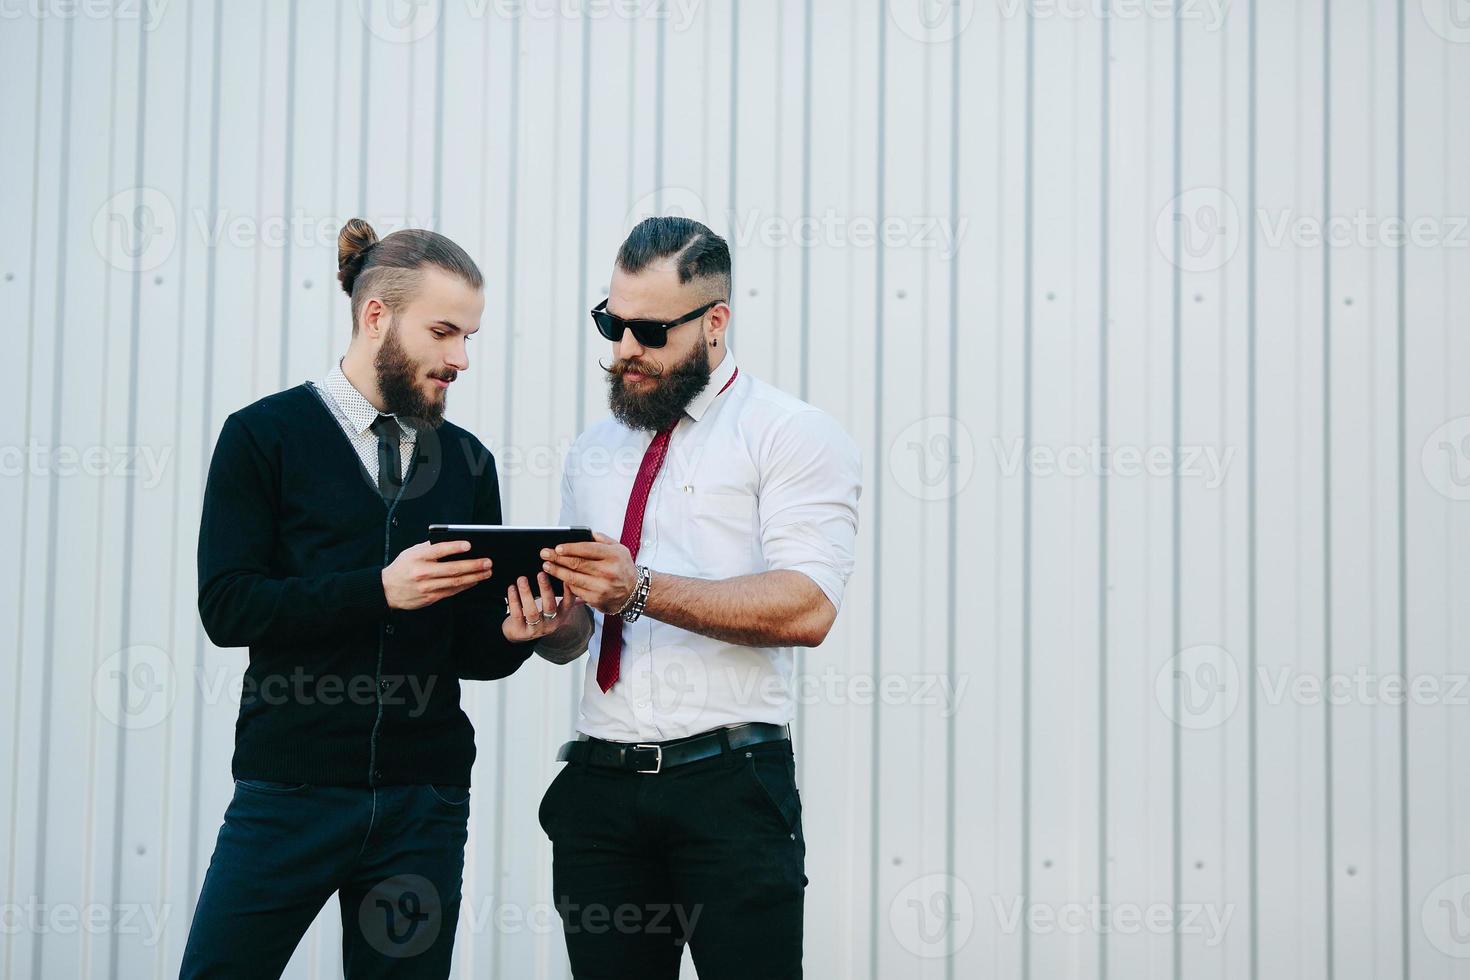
417 578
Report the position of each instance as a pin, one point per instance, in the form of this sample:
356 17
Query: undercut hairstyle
700 256
392 268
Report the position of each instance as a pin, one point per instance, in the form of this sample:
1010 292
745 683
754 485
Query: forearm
769 609
243 608
569 642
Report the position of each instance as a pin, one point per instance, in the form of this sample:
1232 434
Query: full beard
399 384
665 399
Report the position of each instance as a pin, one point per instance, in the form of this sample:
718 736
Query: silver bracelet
633 608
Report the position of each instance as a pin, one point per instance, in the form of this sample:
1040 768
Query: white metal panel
947 777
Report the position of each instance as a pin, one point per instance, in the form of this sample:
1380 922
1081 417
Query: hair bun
353 243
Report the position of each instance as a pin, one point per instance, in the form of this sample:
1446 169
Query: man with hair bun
352 754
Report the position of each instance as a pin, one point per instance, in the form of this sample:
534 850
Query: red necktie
609 659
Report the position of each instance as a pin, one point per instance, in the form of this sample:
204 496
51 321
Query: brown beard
398 382
671 392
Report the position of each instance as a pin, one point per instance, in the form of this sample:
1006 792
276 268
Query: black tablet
516 551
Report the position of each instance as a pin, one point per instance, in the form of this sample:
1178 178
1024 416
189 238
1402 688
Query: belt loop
729 753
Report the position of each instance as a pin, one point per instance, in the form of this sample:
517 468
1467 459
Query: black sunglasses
649 333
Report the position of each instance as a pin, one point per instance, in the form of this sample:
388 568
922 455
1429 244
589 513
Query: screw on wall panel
9 276
1347 301
753 292
903 294
1352 870
1199 297
1050 297
1199 865
306 284
158 280
1046 863
897 861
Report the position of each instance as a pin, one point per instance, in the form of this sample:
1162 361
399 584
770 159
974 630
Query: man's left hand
529 620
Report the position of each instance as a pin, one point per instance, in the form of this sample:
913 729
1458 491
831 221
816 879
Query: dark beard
671 392
397 383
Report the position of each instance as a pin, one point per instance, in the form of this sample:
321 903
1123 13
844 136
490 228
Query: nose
628 347
459 356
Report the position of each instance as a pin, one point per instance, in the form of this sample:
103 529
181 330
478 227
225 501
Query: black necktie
389 476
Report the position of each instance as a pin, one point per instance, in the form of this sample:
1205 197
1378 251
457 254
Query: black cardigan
341 690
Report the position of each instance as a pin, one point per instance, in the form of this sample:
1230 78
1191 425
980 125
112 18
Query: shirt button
388 629
377 774
383 686
395 522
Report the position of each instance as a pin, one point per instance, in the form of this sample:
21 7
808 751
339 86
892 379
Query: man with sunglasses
677 818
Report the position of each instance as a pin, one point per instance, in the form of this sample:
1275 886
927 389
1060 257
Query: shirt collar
354 404
717 378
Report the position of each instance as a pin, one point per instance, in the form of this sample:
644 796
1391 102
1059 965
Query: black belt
651 757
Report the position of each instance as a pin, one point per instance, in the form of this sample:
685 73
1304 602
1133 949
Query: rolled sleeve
811 479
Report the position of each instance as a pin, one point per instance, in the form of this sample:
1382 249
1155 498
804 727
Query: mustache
447 374
619 368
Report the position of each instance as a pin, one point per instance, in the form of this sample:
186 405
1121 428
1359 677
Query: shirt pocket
718 529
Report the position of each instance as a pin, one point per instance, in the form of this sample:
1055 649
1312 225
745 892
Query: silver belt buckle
658 757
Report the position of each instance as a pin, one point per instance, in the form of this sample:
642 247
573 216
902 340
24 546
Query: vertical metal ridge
874 811
1327 581
211 280
1401 314
1104 427
1252 514
290 193
25 484
952 500
58 376
437 205
1027 311
1176 556
125 619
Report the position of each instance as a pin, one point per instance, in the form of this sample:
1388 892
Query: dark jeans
710 853
394 855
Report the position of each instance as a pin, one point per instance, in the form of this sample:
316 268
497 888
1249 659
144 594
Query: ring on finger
533 622
548 615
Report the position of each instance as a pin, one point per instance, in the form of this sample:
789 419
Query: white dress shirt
755 480
356 415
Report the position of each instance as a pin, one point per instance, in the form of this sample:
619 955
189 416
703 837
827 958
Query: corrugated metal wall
1166 472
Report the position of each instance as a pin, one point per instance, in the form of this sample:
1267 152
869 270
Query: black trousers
710 854
394 855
